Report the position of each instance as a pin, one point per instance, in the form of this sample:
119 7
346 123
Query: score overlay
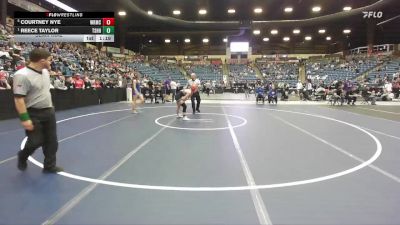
64 26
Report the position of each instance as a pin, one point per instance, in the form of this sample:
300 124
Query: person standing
299 88
246 89
208 87
173 89
194 85
167 89
35 108
136 93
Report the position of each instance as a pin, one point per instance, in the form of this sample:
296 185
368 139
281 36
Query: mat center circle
201 121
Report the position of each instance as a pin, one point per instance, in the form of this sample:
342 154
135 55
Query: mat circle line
232 188
244 122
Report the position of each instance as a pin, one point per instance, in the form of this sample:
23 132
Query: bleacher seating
331 70
70 59
242 72
389 68
280 72
159 73
169 69
206 72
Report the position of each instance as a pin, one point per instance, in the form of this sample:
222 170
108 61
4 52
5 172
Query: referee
194 85
33 103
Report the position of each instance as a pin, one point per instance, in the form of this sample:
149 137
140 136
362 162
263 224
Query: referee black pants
196 96
43 135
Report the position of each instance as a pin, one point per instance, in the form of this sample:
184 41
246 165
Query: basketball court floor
234 163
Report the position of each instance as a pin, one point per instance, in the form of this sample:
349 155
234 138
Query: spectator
97 84
70 83
388 86
150 84
79 83
109 83
87 83
20 65
4 85
59 83
396 87
120 82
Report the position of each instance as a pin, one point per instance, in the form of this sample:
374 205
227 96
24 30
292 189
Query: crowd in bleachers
284 73
337 69
242 72
382 81
348 90
76 66
388 70
335 79
279 71
165 69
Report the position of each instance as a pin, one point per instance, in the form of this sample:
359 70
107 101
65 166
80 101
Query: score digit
108 30
108 21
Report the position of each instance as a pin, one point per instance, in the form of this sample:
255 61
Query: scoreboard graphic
64 26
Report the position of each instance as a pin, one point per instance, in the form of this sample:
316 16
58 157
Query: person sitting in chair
147 93
158 94
272 95
350 97
367 95
260 94
320 93
338 95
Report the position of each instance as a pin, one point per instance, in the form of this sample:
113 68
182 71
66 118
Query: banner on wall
171 61
191 57
113 50
216 61
117 55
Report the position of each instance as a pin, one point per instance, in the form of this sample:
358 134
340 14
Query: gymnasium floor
234 163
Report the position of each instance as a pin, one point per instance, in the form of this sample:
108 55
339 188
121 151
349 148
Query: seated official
260 94
320 92
272 96
367 95
338 95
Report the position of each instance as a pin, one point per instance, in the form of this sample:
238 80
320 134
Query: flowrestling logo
372 14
